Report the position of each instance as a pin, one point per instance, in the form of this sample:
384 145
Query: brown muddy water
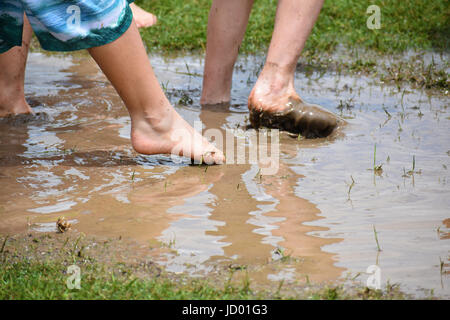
74 158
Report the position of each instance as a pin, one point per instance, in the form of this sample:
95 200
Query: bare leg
142 18
226 28
12 76
155 125
293 24
273 101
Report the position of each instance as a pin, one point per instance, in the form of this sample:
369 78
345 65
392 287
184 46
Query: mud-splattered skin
311 121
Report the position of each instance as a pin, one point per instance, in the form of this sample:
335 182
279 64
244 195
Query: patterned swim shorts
62 25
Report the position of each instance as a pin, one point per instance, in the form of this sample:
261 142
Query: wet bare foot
171 134
142 18
14 108
277 105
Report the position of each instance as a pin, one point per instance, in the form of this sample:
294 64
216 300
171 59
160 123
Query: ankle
157 120
215 99
13 104
216 89
274 80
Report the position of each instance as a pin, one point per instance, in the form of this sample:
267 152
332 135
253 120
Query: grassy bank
38 280
35 266
414 24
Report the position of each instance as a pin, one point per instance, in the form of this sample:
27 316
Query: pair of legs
156 128
273 93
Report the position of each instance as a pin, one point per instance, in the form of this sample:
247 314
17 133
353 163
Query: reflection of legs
154 122
296 234
12 76
226 28
293 23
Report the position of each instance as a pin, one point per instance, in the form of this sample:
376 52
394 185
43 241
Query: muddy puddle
312 221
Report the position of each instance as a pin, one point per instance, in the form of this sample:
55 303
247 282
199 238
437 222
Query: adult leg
155 125
273 101
12 76
293 23
226 28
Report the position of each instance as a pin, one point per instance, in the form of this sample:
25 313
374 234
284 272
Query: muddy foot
310 121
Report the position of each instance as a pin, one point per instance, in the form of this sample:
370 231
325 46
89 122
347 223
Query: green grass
25 280
47 280
35 267
414 24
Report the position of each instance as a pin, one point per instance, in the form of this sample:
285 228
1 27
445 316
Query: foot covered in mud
171 134
298 117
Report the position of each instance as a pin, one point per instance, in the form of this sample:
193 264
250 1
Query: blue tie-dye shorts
62 25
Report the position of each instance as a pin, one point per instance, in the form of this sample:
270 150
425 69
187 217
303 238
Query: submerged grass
375 232
377 169
414 24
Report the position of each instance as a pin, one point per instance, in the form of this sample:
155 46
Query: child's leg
142 18
12 75
155 125
226 28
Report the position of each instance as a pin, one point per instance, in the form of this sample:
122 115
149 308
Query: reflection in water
75 159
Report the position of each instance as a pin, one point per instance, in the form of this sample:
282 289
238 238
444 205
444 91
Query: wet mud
298 117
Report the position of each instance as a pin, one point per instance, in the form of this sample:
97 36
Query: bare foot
13 108
142 18
273 103
171 134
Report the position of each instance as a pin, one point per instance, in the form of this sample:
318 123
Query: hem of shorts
82 46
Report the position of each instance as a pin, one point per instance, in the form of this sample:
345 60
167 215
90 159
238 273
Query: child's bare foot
11 107
171 134
273 103
143 18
